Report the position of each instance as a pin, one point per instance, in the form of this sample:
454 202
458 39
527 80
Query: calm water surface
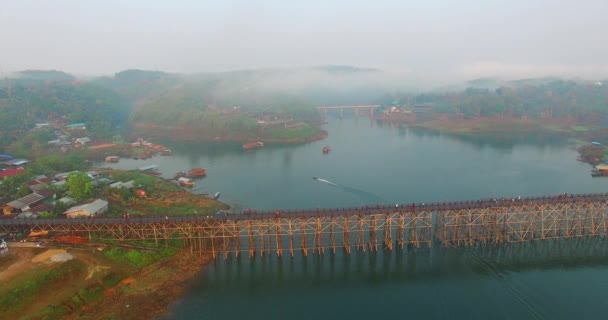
383 164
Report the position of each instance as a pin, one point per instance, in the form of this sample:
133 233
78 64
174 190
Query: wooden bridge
369 228
359 109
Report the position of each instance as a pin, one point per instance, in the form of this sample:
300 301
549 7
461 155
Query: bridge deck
373 228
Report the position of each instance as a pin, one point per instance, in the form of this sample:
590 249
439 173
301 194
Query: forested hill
25 102
180 99
531 98
160 98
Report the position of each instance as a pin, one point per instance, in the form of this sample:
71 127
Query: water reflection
408 266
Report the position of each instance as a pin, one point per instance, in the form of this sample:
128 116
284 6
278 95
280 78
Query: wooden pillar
346 234
320 248
388 232
372 240
225 240
361 234
401 231
303 238
332 239
262 238
290 237
251 240
236 234
279 238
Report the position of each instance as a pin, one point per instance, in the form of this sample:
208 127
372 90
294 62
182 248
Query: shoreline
191 135
94 285
149 292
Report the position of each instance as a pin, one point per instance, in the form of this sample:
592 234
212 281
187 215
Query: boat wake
326 181
366 197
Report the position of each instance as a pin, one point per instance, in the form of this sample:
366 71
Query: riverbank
84 283
504 125
189 134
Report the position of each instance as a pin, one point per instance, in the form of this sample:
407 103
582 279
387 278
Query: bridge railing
320 212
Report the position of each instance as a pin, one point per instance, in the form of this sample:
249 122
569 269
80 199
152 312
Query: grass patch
305 132
579 128
52 313
26 291
136 258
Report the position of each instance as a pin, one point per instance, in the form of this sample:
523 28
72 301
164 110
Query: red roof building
10 173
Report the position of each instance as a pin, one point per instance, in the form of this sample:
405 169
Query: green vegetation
24 292
548 99
297 133
25 102
55 163
80 186
138 259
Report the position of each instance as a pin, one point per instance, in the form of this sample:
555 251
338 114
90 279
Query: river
371 164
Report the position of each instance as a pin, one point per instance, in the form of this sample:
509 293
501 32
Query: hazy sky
427 38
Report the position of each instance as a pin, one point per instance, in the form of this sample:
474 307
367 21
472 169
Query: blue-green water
383 164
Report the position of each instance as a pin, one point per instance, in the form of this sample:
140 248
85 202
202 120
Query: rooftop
92 207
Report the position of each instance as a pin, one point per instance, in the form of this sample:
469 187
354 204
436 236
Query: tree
80 185
23 191
10 185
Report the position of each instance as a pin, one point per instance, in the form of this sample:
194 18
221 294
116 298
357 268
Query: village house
39 183
63 176
24 204
118 185
76 126
17 162
67 201
35 211
82 141
91 209
11 172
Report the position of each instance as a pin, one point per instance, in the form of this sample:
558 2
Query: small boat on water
166 152
253 145
112 159
196 173
326 149
151 169
216 196
185 182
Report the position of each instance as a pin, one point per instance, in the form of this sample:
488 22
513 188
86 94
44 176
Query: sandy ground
142 294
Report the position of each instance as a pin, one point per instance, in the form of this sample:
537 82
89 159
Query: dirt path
146 294
19 262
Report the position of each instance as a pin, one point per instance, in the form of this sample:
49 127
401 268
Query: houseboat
185 182
112 159
253 145
601 170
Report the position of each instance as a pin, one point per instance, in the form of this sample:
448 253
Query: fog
427 43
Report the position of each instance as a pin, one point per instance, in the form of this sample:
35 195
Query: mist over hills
30 96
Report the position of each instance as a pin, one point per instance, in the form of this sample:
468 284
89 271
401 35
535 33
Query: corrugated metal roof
25 201
92 208
17 162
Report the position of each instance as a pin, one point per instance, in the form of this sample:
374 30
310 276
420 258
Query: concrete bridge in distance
368 110
369 228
